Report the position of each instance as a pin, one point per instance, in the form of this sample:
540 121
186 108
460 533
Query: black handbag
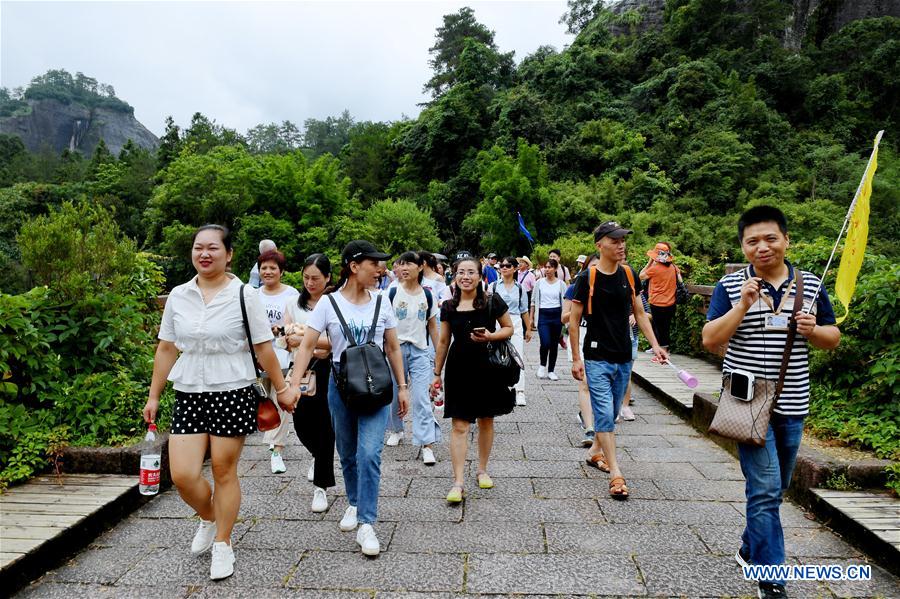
364 377
502 355
682 295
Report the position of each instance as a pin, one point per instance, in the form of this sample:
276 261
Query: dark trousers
312 421
662 322
549 327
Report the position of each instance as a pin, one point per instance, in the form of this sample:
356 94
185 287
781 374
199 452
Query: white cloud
243 63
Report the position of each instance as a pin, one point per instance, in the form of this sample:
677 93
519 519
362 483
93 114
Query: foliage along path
548 527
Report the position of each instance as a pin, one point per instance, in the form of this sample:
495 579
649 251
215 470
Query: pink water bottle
150 465
686 377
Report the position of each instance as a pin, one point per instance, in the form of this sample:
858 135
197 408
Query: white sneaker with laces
348 522
311 474
222 565
428 457
542 372
520 399
319 501
204 537
552 376
278 466
394 439
626 413
368 541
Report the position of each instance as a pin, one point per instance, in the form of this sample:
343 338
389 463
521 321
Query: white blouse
215 355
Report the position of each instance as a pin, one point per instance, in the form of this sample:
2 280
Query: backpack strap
371 336
351 341
592 276
392 293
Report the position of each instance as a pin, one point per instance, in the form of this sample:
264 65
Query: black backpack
364 379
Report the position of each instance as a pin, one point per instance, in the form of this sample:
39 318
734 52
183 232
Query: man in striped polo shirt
740 314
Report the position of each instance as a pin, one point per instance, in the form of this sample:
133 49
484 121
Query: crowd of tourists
435 325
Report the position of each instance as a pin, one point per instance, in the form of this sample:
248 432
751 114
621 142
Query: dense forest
672 132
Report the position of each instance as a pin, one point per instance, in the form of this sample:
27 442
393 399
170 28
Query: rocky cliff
59 126
827 16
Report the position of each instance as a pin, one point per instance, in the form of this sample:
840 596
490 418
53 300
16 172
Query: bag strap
792 331
247 330
371 336
351 341
392 293
592 276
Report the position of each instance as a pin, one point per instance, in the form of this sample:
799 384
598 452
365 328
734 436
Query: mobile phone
742 385
479 330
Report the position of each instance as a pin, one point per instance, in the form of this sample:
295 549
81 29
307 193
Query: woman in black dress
473 391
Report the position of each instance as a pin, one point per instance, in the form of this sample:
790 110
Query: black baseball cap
611 229
462 255
360 249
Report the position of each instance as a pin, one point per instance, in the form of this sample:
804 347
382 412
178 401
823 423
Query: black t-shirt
608 336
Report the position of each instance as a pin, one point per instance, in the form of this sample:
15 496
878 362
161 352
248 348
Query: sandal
598 461
456 494
617 488
484 481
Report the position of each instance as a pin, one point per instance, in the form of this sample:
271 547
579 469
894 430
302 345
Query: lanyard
784 297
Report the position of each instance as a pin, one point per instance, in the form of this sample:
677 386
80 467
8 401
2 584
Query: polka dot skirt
220 413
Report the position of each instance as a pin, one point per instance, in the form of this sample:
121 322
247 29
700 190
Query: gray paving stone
404 509
507 487
553 574
75 590
104 565
594 488
690 490
392 571
520 469
285 506
678 454
720 471
656 418
543 428
212 591
882 584
266 485
693 576
563 454
416 469
623 539
302 535
469 537
696 442
662 430
798 542
165 505
638 511
648 470
628 441
532 510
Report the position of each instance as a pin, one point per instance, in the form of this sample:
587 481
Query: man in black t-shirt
609 299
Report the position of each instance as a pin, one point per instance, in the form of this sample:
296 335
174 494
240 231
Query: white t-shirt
551 293
276 306
412 316
437 287
211 338
357 317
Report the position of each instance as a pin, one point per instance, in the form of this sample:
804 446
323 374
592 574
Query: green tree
370 159
170 144
328 136
397 226
274 138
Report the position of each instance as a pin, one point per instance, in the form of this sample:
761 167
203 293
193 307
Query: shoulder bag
748 421
267 416
682 295
502 355
364 379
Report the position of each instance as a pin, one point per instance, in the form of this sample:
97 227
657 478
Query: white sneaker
320 500
394 439
365 538
311 474
204 537
626 413
542 372
278 466
428 457
552 376
520 399
348 522
222 565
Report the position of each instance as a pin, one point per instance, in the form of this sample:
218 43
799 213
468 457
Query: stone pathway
547 528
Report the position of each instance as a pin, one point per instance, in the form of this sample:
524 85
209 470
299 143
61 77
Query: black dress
471 390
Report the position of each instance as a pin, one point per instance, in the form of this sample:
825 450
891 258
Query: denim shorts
607 383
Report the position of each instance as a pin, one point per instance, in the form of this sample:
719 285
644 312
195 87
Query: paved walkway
548 528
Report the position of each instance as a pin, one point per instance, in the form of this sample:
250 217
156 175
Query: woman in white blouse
358 437
204 351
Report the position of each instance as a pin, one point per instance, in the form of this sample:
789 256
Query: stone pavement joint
548 528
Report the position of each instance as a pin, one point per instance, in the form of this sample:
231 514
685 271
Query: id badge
777 322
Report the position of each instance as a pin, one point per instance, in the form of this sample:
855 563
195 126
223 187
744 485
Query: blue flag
524 229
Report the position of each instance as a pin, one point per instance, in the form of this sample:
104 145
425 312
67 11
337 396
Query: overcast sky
245 63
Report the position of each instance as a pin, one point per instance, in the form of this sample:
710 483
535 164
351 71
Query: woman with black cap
358 436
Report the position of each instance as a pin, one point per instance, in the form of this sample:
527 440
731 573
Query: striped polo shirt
754 349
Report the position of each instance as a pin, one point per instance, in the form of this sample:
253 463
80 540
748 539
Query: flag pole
846 220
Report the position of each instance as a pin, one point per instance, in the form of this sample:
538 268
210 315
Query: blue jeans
358 439
418 364
607 383
768 472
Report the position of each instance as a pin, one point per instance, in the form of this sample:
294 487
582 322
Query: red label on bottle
150 470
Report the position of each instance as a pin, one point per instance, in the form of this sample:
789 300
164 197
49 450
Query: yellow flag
857 236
